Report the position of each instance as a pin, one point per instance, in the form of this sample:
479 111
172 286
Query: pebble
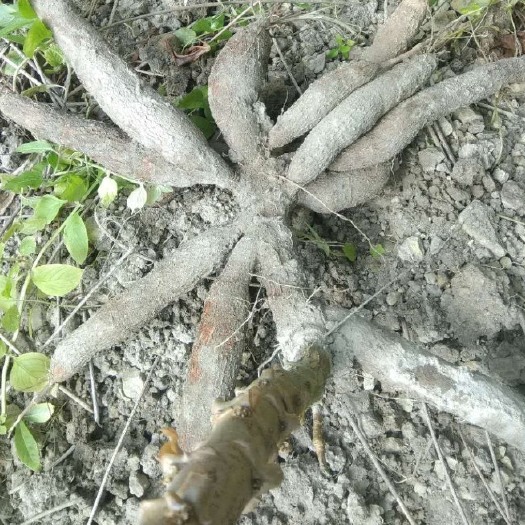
506 263
488 183
501 175
138 483
512 196
132 384
316 63
392 298
429 158
476 220
467 170
411 250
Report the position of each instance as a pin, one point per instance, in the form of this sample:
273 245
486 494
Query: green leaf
7 293
37 146
72 187
53 56
15 59
225 35
377 251
37 33
107 191
20 183
332 53
39 413
207 127
196 99
203 25
186 36
11 319
350 251
76 238
26 447
27 246
217 22
56 279
155 193
47 208
33 225
14 25
25 9
3 349
30 372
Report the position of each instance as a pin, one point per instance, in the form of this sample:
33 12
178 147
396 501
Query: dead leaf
512 44
191 54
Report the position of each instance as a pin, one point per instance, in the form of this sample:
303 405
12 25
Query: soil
453 230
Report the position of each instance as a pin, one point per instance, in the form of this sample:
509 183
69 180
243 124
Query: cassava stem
221 340
327 92
171 277
135 107
400 126
234 85
101 142
236 463
356 115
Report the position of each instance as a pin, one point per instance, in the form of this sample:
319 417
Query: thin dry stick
207 5
63 457
119 443
380 470
445 467
87 296
287 67
75 398
93 389
498 474
482 478
113 12
54 510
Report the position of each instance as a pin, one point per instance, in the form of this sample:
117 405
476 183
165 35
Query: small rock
392 298
132 384
369 382
467 170
477 191
393 445
446 126
512 196
467 115
488 183
316 63
476 222
411 250
138 484
429 158
500 175
506 263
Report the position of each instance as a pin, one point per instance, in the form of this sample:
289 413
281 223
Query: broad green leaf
377 251
350 251
20 183
11 319
39 413
225 35
72 188
33 225
56 279
7 14
26 447
186 36
217 22
27 246
37 146
25 9
195 99
107 191
15 61
137 198
7 293
206 126
16 24
53 56
47 208
37 33
30 372
332 53
3 349
201 26
76 238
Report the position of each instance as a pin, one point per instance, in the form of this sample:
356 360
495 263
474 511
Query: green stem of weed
3 386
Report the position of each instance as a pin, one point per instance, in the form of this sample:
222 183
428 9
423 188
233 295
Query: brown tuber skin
235 464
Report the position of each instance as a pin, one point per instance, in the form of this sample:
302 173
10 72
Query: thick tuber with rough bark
356 120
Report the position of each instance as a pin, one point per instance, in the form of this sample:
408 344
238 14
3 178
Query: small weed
196 105
333 249
342 49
